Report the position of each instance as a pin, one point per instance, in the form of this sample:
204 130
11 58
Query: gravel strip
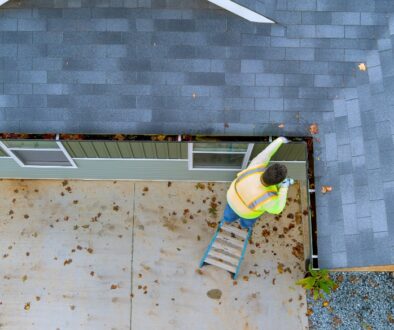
364 300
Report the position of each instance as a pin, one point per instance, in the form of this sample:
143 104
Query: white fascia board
244 12
2 2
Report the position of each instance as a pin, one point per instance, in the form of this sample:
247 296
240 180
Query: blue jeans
229 215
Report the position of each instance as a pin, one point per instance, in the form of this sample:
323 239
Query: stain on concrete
170 223
214 294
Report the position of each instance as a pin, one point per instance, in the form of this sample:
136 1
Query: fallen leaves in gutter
314 129
326 189
362 67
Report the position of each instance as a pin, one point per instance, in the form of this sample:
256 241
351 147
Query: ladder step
224 257
233 230
220 264
231 240
228 249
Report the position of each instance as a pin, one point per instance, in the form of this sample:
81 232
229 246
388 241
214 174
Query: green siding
89 150
149 150
287 152
114 169
184 150
162 153
101 149
74 148
138 150
126 149
2 153
113 150
174 151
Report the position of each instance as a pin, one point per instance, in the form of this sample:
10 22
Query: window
47 154
219 156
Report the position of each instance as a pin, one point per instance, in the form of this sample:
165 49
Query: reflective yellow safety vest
247 196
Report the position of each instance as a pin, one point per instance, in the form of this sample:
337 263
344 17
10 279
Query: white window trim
247 155
129 159
9 152
245 161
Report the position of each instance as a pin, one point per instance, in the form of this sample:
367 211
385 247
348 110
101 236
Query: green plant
317 281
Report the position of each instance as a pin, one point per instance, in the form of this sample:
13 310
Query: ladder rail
250 230
210 244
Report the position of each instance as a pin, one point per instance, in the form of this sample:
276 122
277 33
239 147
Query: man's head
274 174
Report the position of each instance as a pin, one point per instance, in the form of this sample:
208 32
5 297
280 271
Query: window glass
42 157
227 161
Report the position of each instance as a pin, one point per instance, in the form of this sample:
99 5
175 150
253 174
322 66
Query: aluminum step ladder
227 248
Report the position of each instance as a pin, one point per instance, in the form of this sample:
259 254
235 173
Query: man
255 190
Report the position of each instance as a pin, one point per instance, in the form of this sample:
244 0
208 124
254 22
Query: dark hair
274 174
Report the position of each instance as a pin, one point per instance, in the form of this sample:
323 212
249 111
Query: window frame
190 152
10 152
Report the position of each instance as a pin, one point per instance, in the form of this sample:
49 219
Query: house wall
131 169
134 160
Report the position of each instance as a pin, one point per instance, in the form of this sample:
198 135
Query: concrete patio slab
173 226
124 255
65 255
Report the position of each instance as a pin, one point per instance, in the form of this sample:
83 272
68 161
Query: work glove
284 140
286 183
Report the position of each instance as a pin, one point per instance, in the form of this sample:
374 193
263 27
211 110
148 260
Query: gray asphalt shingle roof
185 66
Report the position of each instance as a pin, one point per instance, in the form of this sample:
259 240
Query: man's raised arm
265 156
